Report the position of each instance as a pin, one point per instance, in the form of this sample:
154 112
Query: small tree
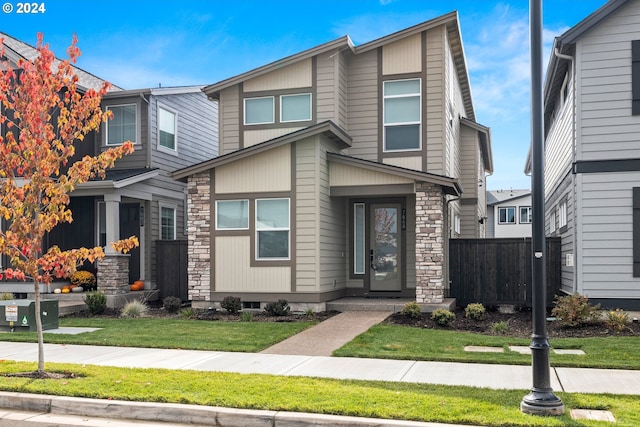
44 114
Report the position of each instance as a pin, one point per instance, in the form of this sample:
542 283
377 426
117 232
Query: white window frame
552 222
175 129
529 214
273 113
282 97
359 230
111 107
232 228
562 214
507 222
258 229
174 209
456 223
418 122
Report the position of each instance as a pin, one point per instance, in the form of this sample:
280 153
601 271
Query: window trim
161 147
552 222
418 94
258 229
162 206
529 214
218 228
290 95
137 123
507 222
273 110
562 215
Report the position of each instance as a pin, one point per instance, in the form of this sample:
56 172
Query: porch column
199 239
429 244
113 269
112 220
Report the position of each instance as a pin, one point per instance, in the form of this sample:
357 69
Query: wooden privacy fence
171 268
498 271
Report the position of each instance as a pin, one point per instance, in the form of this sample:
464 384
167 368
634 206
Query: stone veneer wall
429 244
113 274
199 237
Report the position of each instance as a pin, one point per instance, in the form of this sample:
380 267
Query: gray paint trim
372 190
599 166
469 201
635 77
636 232
308 297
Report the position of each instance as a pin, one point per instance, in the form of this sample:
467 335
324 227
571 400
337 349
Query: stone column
199 238
429 244
113 274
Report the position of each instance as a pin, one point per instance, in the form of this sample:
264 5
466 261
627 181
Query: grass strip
419 402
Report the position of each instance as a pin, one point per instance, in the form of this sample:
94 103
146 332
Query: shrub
278 308
443 317
246 316
500 328
6 296
231 304
474 311
574 310
172 304
187 313
617 320
134 309
411 309
96 302
85 279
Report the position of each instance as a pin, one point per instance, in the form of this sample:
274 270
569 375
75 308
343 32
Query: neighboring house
592 154
171 128
343 170
508 213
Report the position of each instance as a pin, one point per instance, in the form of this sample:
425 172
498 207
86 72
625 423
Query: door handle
372 257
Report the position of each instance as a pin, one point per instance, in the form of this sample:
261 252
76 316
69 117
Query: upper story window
562 215
122 127
232 214
525 214
552 222
402 112
507 215
258 111
167 129
295 108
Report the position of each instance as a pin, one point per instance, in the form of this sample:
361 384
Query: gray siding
363 105
230 120
436 100
564 191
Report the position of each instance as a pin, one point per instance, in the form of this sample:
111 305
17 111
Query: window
525 214
272 229
166 129
167 223
258 110
402 112
562 215
122 127
456 224
359 255
552 223
295 108
232 214
506 215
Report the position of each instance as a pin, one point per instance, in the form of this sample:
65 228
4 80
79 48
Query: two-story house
508 213
592 154
171 128
342 170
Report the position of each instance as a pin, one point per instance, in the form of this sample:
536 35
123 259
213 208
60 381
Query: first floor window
122 127
232 214
525 214
358 239
402 113
272 229
258 110
506 215
167 223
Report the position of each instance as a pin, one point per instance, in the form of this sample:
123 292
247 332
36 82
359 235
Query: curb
180 414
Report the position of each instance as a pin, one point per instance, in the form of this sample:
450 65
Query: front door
385 247
130 226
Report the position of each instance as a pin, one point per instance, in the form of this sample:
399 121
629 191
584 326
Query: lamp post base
542 403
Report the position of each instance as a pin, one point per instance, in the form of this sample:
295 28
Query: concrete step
383 304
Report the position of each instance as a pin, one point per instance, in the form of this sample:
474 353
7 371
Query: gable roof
450 20
327 128
495 197
16 49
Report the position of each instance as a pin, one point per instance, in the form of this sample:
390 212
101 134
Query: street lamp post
541 400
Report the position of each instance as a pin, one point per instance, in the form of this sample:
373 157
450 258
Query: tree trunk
36 288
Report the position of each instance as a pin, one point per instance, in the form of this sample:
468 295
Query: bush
474 311
443 317
231 304
500 328
411 309
574 310
6 296
278 308
246 316
134 309
96 302
85 279
172 304
187 313
617 320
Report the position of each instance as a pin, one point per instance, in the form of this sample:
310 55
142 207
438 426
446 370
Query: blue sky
140 44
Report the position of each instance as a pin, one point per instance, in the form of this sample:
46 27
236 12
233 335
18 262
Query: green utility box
19 315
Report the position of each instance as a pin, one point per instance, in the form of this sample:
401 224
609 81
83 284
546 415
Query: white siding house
592 154
508 213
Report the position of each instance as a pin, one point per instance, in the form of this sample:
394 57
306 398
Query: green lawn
421 402
401 342
171 333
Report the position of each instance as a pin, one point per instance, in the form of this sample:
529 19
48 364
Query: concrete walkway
325 337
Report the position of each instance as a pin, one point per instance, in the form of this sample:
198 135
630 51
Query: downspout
574 137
